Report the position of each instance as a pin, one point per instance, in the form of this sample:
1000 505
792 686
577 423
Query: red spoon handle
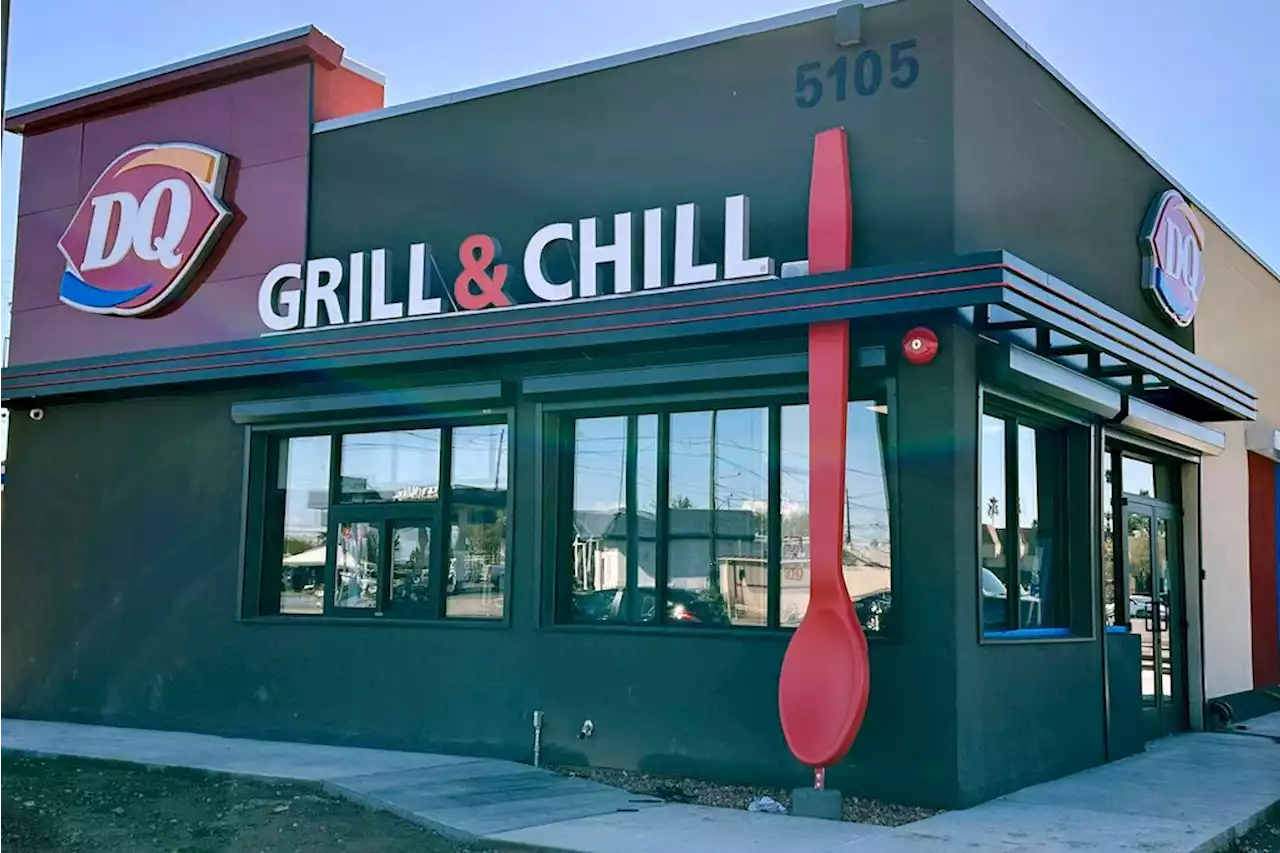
828 422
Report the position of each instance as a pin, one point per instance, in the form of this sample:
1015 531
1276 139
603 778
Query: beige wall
1237 329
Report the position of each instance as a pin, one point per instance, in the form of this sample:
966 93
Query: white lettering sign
637 261
136 225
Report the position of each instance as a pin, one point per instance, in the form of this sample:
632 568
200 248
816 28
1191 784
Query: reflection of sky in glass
600 463
304 470
1137 477
385 462
991 487
647 463
388 460
690 479
1028 496
405 540
867 502
480 456
993 472
742 459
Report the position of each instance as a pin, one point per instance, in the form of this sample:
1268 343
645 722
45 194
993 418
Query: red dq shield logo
143 230
1173 257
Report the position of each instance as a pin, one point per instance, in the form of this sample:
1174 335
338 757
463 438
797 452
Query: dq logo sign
143 230
1173 257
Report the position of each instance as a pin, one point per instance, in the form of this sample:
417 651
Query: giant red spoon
825 681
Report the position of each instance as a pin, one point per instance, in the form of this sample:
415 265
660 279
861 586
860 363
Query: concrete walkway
1188 793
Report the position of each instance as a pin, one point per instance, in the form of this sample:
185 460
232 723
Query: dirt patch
72 805
857 809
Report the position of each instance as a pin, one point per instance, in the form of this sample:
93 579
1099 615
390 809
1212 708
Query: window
1022 534
707 512
1148 479
301 498
478 523
357 519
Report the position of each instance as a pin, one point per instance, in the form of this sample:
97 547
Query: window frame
555 420
1116 447
259 588
1080 516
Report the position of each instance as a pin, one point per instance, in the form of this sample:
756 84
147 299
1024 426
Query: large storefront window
707 513
1022 518
405 523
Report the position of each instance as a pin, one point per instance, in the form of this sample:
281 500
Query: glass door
1153 568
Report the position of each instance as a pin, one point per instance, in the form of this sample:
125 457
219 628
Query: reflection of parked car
685 606
994 608
872 609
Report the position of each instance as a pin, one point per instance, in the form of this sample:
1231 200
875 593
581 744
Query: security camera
37 414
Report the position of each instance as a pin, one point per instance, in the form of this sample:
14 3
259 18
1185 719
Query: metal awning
998 294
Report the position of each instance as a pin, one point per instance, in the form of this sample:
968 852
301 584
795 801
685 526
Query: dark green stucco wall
1040 175
121 545
692 127
123 602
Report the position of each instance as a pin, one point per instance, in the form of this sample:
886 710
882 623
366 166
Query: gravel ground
856 809
1264 839
79 806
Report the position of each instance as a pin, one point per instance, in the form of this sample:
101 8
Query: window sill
1021 636
366 622
669 630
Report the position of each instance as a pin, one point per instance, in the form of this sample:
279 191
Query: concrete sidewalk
1188 793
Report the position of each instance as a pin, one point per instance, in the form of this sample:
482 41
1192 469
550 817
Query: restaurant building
395 426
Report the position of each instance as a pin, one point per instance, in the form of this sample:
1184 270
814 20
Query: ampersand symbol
474 287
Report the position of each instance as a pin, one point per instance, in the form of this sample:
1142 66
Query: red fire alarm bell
920 345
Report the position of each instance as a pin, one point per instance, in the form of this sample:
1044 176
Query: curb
1224 840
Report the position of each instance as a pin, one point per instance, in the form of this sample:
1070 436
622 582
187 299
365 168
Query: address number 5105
866 74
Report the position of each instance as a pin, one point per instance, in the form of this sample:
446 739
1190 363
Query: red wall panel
1262 571
262 121
342 92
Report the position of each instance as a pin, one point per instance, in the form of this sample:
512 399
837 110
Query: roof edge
789 19
754 28
300 42
1004 26
363 70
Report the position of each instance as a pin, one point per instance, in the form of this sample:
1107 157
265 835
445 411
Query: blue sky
1199 91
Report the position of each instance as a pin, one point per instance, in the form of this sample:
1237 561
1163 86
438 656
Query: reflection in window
1110 616
1149 479
599 524
391 466
1041 453
691 573
1137 476
867 556
410 563
739 582
303 484
388 531
356 566
1143 601
1023 559
713 530
991 525
476 585
646 517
